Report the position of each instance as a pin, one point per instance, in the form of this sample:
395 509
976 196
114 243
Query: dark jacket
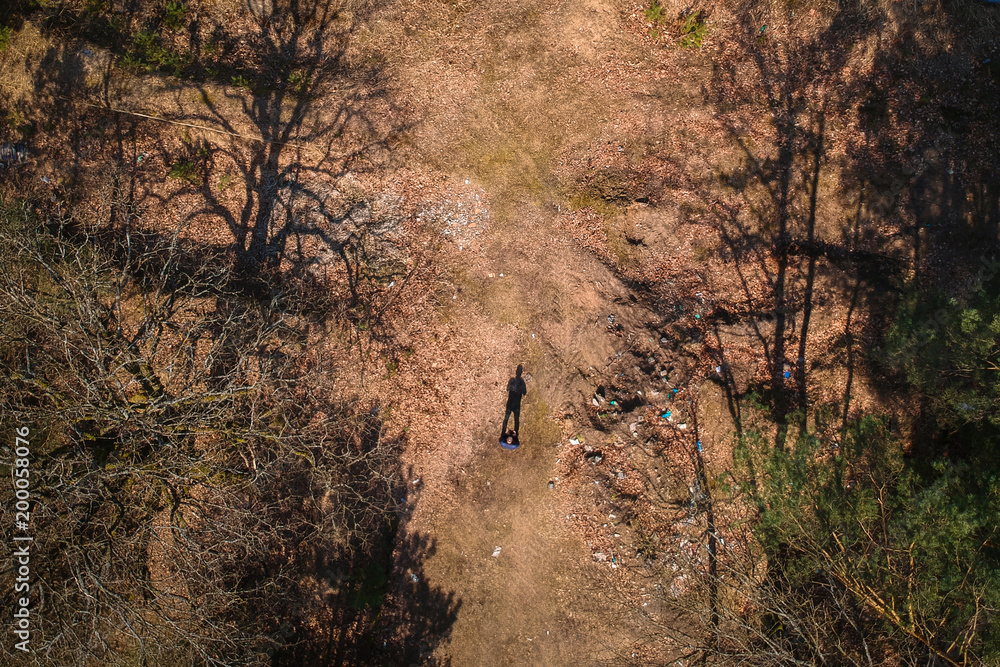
515 390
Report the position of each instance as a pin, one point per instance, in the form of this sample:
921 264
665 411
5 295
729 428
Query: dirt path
506 92
542 600
539 601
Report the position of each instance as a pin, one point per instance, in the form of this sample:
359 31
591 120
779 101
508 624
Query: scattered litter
574 441
45 179
414 578
466 181
666 415
699 445
594 401
600 557
496 552
787 374
12 155
682 426
552 484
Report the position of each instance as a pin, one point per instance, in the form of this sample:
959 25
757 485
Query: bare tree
189 467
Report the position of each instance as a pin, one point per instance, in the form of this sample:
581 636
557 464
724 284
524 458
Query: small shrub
185 170
654 13
175 13
241 81
299 81
95 8
174 62
116 23
146 42
693 30
5 36
146 53
132 62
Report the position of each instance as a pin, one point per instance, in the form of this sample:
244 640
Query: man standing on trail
515 390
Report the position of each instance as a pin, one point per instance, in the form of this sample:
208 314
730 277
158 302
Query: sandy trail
539 601
505 93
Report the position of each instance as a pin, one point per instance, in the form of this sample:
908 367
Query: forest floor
507 94
596 148
594 202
